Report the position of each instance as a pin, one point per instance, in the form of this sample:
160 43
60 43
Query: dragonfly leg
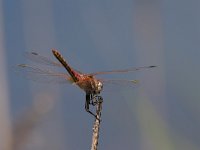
94 99
91 99
87 104
98 99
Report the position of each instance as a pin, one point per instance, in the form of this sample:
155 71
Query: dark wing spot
34 53
22 65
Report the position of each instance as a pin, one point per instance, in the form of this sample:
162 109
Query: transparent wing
123 82
35 57
121 71
113 85
42 75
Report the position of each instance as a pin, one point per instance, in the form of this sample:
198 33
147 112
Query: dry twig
96 125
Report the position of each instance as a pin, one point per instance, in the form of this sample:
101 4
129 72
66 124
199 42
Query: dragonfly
88 82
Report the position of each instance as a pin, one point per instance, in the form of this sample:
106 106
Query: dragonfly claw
96 99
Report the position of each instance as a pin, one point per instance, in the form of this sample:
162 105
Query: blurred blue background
162 112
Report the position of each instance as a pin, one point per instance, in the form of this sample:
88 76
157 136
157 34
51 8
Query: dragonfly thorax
90 85
95 86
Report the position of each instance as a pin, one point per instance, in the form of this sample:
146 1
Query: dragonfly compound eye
100 86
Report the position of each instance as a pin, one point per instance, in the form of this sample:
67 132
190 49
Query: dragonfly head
99 87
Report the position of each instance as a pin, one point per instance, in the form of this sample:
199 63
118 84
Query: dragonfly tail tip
54 50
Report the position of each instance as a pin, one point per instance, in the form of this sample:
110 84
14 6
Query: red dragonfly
87 82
